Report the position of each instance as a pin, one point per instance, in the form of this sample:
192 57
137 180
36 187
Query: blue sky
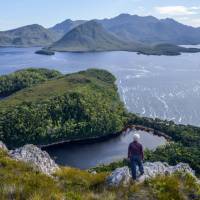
15 13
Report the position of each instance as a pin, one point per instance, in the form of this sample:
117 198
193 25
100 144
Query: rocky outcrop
3 146
36 157
122 176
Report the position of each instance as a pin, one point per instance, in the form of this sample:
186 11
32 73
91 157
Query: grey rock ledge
122 176
36 157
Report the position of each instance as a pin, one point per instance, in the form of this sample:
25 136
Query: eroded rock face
36 157
123 175
3 146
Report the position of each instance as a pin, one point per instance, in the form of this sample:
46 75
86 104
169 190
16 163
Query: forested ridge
24 78
79 105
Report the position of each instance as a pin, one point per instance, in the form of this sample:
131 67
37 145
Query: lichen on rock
36 157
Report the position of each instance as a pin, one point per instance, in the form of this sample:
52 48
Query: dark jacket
135 148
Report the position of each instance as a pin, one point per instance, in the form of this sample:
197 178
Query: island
45 52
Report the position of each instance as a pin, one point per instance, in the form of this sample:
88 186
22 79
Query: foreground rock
36 157
122 176
3 146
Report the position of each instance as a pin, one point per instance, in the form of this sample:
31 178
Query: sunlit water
154 86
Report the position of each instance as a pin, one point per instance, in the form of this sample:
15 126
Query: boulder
36 157
119 176
122 176
3 146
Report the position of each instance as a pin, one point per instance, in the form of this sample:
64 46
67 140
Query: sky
16 13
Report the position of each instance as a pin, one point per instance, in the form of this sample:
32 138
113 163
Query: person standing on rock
136 156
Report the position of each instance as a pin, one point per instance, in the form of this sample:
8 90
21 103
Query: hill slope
31 35
24 78
20 180
90 36
64 27
151 30
74 106
146 29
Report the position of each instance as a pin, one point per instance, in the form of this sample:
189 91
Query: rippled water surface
89 155
155 86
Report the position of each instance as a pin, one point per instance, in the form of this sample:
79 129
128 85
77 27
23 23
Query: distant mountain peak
125 15
30 26
26 36
90 36
149 29
62 28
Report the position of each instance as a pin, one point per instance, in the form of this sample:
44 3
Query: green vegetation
24 78
79 105
83 105
20 181
185 146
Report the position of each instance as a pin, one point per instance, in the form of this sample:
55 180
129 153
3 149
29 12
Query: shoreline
98 139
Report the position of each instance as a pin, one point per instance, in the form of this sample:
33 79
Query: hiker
136 156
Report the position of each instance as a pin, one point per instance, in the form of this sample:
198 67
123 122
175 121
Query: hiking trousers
136 160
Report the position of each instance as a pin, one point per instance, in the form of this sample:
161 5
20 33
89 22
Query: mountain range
91 36
124 32
26 36
64 27
151 30
144 29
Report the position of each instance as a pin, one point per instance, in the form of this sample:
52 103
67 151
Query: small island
45 52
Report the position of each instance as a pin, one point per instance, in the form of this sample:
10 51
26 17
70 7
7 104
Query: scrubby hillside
80 105
21 181
24 78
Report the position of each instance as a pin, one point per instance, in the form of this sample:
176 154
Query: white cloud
195 8
177 10
190 21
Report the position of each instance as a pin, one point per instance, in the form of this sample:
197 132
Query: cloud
177 10
195 7
190 21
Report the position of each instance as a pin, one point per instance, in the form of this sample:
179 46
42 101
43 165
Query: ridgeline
74 106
